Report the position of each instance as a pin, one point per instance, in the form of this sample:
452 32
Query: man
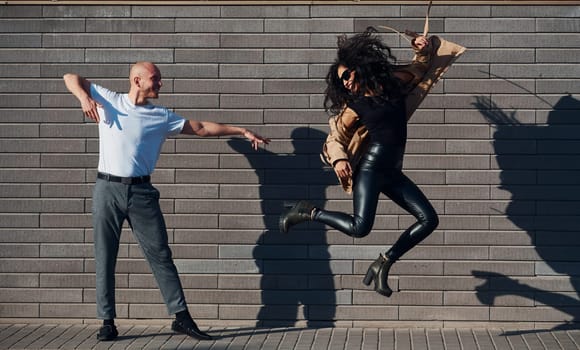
131 133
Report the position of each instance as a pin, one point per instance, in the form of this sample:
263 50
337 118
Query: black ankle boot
379 272
297 213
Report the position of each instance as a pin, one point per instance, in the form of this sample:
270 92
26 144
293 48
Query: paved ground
82 336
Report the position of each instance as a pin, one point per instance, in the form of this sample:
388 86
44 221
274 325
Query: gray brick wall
495 147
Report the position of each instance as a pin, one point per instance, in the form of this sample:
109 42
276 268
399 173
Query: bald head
145 80
141 69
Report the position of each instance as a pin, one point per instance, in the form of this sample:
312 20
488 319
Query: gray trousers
113 203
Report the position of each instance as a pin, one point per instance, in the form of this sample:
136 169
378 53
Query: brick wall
495 147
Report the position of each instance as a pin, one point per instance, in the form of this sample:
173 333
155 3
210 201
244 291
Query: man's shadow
539 169
296 277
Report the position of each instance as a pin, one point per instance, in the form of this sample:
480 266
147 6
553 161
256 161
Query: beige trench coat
345 144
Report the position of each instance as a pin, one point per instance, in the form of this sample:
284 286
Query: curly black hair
373 64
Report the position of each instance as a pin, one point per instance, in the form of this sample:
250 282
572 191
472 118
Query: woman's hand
342 169
420 42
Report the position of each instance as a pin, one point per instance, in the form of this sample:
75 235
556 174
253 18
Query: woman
367 89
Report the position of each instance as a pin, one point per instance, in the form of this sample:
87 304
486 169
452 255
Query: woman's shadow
539 168
297 282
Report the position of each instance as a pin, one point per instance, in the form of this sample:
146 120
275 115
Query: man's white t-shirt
131 136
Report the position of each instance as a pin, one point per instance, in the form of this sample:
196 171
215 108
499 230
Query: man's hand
89 107
255 139
342 169
81 89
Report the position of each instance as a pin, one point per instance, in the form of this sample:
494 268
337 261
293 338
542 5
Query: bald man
131 133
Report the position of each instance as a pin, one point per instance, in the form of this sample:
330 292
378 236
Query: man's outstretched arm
204 128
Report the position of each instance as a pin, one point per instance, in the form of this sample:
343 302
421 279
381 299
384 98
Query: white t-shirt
130 136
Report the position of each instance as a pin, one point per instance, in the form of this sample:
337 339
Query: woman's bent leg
365 198
409 197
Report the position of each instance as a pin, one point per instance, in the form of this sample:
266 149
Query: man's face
150 82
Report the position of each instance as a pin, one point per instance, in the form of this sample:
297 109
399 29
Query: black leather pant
376 175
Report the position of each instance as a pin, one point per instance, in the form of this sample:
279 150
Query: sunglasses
345 76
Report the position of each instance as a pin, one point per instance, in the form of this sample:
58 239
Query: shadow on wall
296 278
540 168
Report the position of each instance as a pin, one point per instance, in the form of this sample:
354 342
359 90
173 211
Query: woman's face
346 76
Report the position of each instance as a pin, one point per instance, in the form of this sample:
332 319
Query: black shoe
381 283
295 214
379 272
189 328
108 332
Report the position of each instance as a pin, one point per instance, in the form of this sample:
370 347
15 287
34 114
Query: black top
385 120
